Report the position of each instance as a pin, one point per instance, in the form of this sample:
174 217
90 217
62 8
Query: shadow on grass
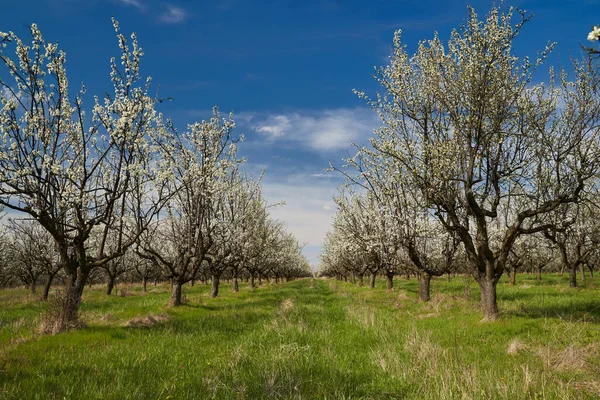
576 310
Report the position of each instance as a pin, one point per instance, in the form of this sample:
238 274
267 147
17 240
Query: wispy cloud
322 130
133 3
173 15
307 212
7 94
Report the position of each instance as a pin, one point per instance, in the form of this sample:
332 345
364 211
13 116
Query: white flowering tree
594 37
576 237
404 218
247 213
198 163
471 133
31 254
146 270
72 171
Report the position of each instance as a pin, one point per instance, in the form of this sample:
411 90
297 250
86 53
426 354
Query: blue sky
285 68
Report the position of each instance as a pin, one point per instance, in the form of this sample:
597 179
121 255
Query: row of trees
474 162
121 182
28 257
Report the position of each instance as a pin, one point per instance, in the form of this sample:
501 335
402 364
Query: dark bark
32 286
144 284
175 299
252 285
424 286
69 314
361 281
573 276
214 290
390 281
110 285
47 287
539 273
235 285
373 276
513 277
489 305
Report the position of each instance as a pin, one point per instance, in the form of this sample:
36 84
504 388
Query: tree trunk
192 282
259 279
407 276
424 286
32 286
582 272
235 285
144 283
539 273
361 280
513 277
573 276
489 305
252 286
373 276
390 281
66 318
175 300
214 290
47 287
110 286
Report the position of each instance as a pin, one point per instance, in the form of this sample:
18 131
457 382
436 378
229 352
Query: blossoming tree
475 137
75 172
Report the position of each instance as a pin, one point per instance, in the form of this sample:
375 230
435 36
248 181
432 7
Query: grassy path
308 339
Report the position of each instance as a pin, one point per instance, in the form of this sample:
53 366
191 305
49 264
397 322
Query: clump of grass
54 319
515 346
147 321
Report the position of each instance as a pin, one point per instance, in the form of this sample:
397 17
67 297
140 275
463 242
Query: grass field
312 338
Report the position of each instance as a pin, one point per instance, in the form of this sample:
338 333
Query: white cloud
323 130
173 15
134 3
7 94
275 126
308 209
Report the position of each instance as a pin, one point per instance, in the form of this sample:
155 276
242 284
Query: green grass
320 339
